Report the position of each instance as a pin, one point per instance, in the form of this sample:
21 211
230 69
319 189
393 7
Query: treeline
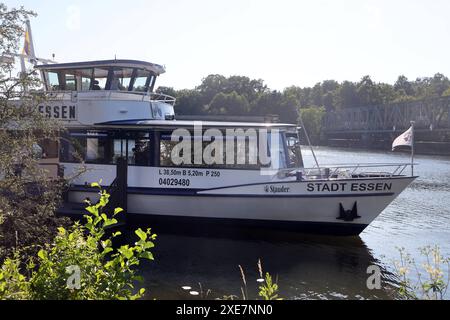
239 95
236 95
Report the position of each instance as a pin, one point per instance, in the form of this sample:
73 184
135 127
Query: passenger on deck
95 85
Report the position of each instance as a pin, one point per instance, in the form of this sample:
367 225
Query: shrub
81 263
425 281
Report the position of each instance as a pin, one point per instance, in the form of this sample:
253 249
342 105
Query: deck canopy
123 75
174 124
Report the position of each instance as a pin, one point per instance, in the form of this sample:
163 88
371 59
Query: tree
438 85
245 86
166 90
285 106
210 86
229 104
28 196
189 102
316 95
348 95
301 94
403 83
446 93
312 119
368 92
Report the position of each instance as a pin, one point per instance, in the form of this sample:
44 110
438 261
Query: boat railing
355 171
108 95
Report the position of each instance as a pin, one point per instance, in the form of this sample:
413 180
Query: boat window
70 82
105 148
85 83
244 156
141 152
277 147
91 147
85 78
294 152
121 79
98 150
49 148
100 77
152 81
72 148
138 147
166 147
53 81
141 81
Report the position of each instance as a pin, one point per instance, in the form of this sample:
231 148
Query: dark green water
312 267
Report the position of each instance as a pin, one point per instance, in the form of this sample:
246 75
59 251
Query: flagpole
412 148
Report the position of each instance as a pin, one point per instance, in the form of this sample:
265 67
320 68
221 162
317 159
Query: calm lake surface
308 266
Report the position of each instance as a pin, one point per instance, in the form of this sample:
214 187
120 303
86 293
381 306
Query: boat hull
293 208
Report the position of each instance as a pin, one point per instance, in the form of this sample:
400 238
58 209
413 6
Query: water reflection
311 267
307 266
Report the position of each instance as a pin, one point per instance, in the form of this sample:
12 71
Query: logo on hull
276 189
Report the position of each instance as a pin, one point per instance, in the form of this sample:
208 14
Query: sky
283 42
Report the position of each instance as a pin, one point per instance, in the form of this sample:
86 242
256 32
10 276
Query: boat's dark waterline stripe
220 226
164 222
194 192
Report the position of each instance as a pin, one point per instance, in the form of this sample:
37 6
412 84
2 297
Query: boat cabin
94 92
219 145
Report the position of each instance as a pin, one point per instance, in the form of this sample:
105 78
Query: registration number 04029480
174 182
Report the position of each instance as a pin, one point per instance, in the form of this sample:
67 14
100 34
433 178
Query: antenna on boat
309 141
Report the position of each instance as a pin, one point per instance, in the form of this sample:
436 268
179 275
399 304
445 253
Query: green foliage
312 119
446 93
243 86
11 27
228 103
105 272
189 102
329 94
286 106
429 280
269 290
13 285
28 195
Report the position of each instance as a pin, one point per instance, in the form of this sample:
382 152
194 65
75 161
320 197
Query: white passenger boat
200 171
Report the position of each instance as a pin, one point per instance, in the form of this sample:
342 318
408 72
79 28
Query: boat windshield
100 78
295 159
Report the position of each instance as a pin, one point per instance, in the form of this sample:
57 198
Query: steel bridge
428 115
377 126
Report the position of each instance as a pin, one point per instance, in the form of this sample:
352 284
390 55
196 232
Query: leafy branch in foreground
81 263
425 281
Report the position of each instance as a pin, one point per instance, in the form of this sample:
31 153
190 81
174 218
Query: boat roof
120 63
169 124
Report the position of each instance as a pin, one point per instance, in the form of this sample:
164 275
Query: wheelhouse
120 75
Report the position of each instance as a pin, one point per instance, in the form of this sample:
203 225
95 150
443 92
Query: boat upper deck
188 124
